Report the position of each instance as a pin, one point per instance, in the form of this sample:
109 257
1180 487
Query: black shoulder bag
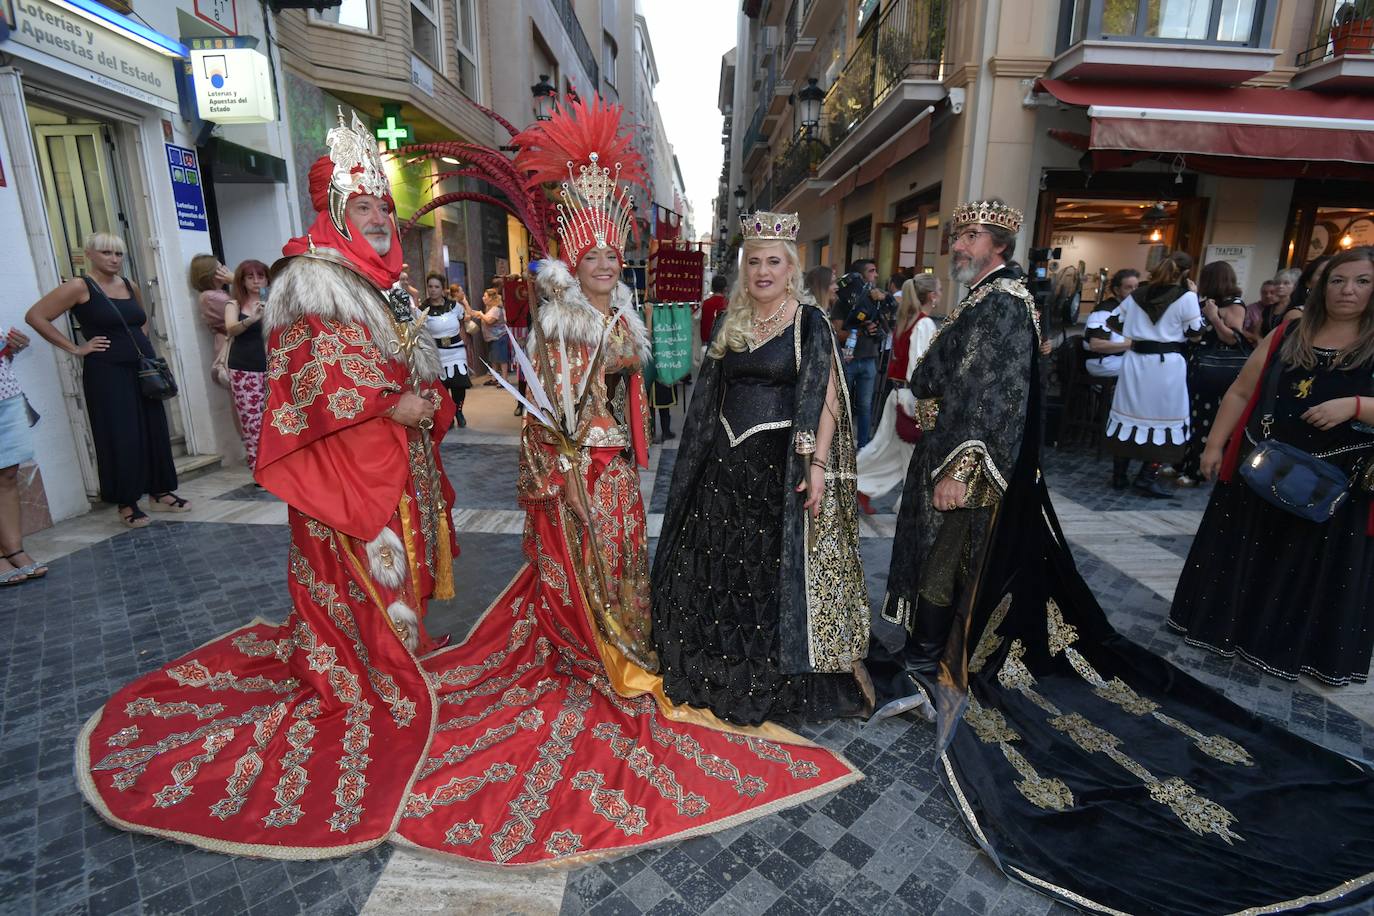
1284 475
155 379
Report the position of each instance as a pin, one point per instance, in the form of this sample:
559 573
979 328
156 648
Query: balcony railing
797 162
583 48
1339 28
907 42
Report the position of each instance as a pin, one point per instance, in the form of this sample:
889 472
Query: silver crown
770 226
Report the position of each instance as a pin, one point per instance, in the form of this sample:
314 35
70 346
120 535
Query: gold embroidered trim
926 412
990 642
803 441
736 440
1063 635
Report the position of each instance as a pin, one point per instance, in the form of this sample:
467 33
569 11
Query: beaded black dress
1288 595
759 614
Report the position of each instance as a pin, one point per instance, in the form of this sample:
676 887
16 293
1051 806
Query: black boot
1147 482
930 632
1119 479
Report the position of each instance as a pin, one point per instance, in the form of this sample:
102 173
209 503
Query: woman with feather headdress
553 707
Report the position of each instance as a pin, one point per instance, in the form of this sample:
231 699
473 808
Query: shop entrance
1122 221
1328 217
80 168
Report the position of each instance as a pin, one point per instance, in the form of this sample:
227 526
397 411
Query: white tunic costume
1150 406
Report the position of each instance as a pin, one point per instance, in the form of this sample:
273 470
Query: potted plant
1352 28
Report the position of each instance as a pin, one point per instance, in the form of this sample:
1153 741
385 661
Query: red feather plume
576 130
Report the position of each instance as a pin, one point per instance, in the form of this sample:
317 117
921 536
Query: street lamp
810 99
739 198
544 94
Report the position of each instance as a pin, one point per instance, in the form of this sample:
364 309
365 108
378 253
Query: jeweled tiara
988 213
770 226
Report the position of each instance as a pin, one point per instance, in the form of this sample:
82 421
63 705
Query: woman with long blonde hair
760 608
882 463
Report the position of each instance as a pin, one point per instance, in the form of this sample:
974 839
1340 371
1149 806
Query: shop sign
1238 256
421 76
222 14
186 189
45 31
233 86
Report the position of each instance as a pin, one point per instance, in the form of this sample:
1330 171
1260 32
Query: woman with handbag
246 354
1281 571
882 463
133 448
1214 359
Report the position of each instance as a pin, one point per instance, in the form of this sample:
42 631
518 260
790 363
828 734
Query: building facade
1232 129
103 135
109 137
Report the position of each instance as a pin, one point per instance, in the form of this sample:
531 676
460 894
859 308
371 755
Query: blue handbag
1288 477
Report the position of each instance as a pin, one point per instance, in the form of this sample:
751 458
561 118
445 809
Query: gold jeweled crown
770 226
988 213
597 209
357 168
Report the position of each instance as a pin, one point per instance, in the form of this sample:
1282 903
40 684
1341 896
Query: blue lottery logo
217 81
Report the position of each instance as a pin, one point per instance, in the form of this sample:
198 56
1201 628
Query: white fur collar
563 307
314 286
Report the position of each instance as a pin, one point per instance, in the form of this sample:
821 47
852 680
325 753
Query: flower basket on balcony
1352 30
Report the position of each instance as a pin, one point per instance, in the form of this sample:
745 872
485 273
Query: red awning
1284 124
914 137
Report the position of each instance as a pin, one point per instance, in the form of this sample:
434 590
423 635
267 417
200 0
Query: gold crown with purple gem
988 213
770 226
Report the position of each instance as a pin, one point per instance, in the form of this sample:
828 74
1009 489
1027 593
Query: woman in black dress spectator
1289 595
1284 307
1214 359
247 361
133 448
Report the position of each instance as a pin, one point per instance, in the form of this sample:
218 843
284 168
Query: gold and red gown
300 739
544 737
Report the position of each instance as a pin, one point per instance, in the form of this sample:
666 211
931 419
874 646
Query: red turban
383 271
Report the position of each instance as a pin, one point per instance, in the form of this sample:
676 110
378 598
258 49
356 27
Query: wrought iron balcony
907 42
797 162
568 16
1340 28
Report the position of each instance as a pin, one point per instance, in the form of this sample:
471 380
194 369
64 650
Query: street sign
186 188
233 86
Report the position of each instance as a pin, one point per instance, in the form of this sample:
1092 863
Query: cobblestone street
118 603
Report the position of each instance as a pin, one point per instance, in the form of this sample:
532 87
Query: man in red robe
300 740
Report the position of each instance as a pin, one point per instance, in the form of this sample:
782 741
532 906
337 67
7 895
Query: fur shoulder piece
564 308
315 286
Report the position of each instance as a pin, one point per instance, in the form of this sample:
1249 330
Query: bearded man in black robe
1085 766
972 388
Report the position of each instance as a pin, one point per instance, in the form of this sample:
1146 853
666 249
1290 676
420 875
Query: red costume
545 736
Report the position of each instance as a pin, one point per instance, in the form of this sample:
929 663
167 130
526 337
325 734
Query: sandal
13 577
31 570
136 518
158 502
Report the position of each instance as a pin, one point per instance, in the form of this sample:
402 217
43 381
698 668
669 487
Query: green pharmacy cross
392 131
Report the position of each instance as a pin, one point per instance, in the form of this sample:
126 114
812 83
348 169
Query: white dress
1150 406
882 463
453 360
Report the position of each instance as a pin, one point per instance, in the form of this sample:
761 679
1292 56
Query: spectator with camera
862 318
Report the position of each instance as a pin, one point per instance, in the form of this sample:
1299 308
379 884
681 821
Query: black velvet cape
1100 774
